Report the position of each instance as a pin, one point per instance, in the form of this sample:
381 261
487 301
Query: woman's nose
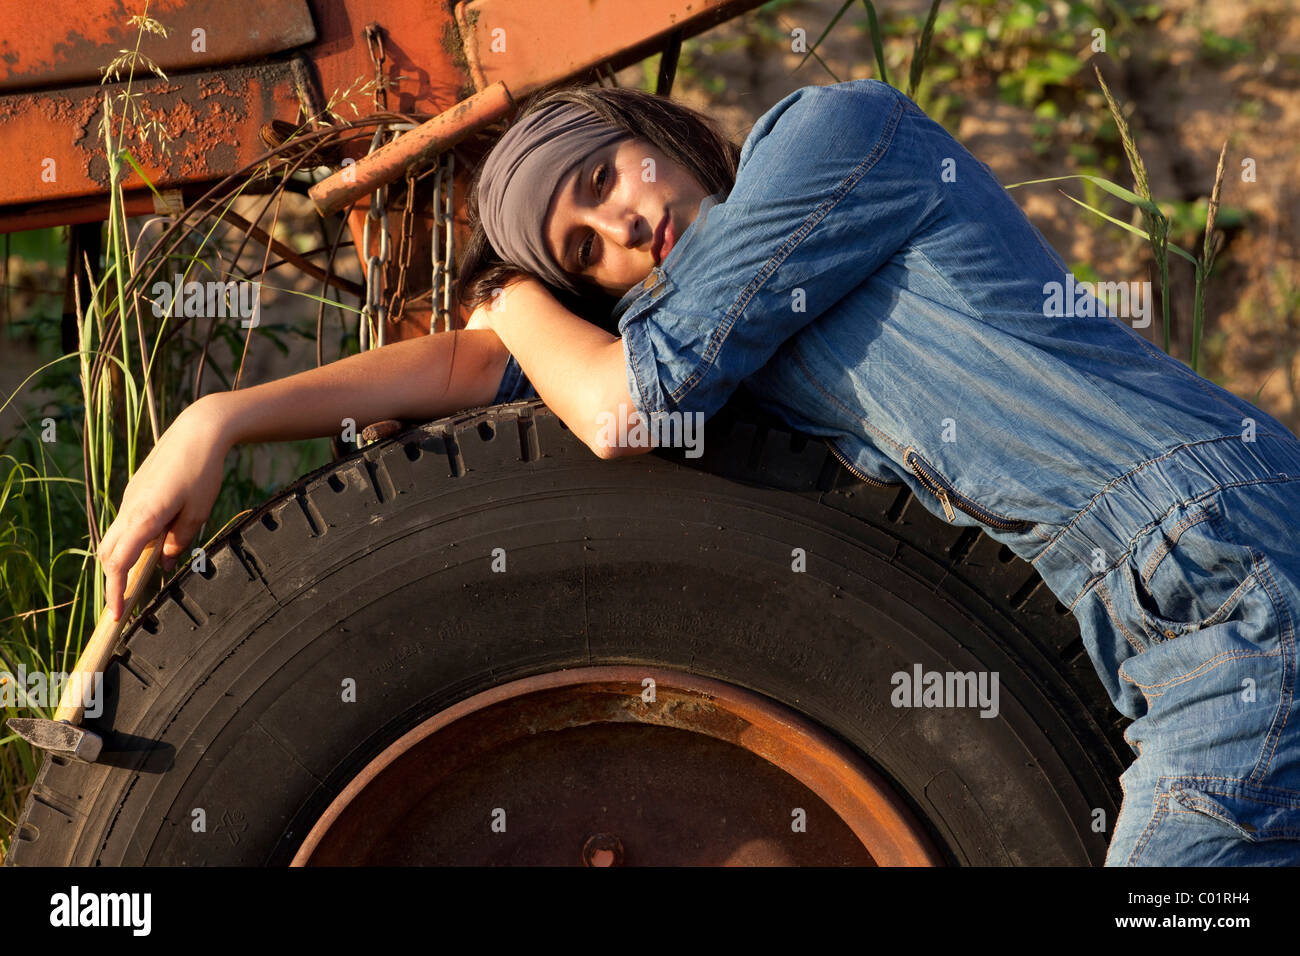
622 227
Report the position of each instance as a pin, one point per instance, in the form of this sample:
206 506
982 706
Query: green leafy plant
109 401
1156 224
920 51
1217 48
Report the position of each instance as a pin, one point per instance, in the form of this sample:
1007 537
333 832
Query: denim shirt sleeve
824 195
514 385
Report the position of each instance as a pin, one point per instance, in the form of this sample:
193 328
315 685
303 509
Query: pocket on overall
1220 821
1188 573
1204 606
1254 812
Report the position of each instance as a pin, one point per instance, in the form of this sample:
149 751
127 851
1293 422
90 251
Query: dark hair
684 135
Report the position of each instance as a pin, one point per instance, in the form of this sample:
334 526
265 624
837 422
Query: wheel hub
610 766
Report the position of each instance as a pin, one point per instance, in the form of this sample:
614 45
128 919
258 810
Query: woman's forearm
416 379
578 369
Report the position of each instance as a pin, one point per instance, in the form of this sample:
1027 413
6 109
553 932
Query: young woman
871 282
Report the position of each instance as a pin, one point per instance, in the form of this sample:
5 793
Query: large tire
225 695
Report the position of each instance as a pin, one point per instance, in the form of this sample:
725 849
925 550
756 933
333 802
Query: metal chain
374 315
374 310
436 254
443 243
449 246
397 304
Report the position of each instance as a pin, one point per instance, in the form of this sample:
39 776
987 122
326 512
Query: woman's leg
1210 599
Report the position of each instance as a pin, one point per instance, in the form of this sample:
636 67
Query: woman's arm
416 379
579 370
175 487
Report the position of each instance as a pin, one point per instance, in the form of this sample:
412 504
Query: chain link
377 311
374 313
435 251
449 248
443 243
397 304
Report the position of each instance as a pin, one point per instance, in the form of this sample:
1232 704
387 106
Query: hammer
63 734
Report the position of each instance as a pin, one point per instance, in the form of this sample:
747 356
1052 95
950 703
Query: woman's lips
664 239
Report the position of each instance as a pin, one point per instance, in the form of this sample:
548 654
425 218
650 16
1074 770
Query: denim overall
872 283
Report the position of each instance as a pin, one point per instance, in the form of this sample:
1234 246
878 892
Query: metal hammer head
58 736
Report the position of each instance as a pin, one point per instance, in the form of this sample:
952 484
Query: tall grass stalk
36 516
1209 250
877 46
57 485
812 50
1157 225
922 50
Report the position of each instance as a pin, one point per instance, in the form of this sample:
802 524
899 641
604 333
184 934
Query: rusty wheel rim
618 765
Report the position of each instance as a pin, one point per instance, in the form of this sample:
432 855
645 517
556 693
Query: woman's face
617 213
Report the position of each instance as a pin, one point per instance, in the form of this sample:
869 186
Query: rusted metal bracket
389 163
169 202
310 97
668 64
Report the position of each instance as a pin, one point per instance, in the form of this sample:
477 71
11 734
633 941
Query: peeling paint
213 114
67 41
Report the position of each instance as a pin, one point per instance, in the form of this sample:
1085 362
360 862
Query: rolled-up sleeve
832 182
515 386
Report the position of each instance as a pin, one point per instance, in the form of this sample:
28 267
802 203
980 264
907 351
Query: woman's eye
598 181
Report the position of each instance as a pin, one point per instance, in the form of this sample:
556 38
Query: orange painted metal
63 42
570 39
528 46
215 114
49 129
53 140
426 141
62 212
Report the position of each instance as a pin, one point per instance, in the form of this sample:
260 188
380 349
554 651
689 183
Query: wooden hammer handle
95 655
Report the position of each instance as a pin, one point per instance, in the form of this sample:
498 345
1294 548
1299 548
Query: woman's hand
174 489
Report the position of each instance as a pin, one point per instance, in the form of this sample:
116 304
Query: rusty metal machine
244 76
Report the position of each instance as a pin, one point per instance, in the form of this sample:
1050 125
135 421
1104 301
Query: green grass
63 471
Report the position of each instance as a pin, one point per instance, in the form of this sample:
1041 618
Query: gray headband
520 175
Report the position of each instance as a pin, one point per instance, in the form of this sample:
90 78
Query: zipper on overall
857 474
949 497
